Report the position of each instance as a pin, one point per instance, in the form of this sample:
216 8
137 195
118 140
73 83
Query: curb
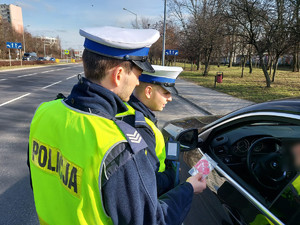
202 110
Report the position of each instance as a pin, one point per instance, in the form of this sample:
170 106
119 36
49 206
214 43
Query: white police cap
120 43
164 76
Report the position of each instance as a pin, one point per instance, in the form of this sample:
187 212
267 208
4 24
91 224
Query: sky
64 18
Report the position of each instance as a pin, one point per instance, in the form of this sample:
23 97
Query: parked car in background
256 153
52 59
30 56
41 59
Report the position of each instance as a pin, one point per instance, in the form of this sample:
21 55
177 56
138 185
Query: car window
261 155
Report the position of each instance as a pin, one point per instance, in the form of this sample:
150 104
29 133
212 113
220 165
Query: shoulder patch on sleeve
116 158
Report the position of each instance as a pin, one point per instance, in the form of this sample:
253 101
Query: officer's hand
198 182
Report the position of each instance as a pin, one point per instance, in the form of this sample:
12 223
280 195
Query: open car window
269 172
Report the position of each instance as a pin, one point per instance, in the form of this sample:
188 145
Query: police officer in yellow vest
153 93
89 168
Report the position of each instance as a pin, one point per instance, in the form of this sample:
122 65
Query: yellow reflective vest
263 220
66 148
160 148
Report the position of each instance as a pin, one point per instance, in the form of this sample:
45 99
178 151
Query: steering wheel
268 168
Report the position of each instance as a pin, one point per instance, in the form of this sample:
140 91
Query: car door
249 200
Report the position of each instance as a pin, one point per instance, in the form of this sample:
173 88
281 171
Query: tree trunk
205 73
250 61
270 66
198 63
296 62
230 59
269 63
192 65
207 61
243 65
275 68
242 75
264 69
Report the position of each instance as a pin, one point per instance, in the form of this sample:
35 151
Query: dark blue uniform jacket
165 180
129 186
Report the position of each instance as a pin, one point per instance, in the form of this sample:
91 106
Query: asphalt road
20 94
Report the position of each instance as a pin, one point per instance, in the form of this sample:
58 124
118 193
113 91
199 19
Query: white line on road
51 84
63 68
22 96
27 75
71 77
15 99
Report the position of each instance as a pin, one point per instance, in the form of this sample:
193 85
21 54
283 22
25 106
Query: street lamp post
24 38
164 34
136 20
44 48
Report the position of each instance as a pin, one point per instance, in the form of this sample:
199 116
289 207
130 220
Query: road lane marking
15 99
63 68
73 75
27 75
22 96
51 84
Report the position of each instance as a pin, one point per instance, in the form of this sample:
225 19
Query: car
256 177
52 59
41 59
30 56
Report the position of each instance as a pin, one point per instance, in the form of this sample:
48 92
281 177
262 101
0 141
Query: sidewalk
211 101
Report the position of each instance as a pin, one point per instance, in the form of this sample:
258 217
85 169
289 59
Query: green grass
251 87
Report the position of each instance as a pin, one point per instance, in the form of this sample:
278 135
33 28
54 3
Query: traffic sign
171 52
67 52
14 45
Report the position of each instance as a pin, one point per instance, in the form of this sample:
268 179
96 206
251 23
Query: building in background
13 14
48 40
78 53
50 45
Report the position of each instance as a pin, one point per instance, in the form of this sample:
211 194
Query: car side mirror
188 139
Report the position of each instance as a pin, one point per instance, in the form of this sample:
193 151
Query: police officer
153 93
89 168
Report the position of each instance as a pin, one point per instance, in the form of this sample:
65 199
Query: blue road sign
8 44
19 45
13 45
171 52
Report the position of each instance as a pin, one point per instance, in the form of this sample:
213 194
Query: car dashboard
231 148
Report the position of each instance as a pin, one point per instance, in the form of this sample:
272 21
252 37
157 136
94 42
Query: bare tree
201 25
172 40
294 6
33 44
281 35
253 19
